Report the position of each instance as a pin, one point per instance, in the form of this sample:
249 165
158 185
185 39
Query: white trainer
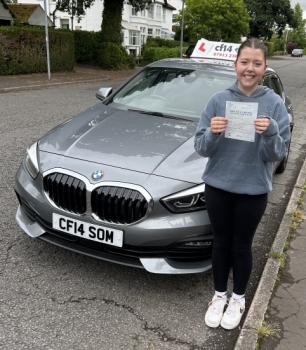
232 316
215 310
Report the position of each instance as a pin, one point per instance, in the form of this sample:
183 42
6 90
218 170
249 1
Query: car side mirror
103 93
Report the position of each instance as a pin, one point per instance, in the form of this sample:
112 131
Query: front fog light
186 201
31 162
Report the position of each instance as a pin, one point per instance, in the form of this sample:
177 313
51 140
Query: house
178 7
6 16
155 20
178 4
30 14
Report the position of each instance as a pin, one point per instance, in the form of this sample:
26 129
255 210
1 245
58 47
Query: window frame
134 38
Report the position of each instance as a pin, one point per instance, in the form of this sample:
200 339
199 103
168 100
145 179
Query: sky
178 5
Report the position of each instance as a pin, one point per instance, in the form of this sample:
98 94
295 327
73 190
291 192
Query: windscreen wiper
159 114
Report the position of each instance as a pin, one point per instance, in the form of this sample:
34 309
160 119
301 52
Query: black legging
234 218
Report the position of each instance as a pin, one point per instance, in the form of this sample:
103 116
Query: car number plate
83 229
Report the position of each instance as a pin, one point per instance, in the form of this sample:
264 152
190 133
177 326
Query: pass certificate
241 116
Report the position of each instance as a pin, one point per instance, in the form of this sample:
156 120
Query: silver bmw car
121 181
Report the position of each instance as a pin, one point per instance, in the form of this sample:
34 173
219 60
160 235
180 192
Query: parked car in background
121 181
297 53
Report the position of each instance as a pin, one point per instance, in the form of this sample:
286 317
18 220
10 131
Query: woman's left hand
261 124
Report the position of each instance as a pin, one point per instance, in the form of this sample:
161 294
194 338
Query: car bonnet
118 138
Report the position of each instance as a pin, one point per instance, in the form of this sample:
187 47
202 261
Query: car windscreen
172 91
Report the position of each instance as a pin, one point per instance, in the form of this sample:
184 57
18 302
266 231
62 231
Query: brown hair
254 43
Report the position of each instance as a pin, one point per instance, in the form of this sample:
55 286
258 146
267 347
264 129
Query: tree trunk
111 21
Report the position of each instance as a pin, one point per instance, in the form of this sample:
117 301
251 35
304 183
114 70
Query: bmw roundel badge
97 175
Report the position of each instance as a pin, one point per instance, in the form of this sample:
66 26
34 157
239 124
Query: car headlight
31 162
186 201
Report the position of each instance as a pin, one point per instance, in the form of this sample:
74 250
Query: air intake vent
66 192
118 205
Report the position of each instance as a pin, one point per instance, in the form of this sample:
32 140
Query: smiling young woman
250 67
238 175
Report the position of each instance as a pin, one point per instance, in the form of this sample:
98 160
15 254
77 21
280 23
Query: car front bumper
160 244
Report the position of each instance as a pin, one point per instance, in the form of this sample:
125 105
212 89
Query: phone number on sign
224 54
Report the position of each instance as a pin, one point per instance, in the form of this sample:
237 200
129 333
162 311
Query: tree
290 47
269 17
75 8
112 16
215 20
298 34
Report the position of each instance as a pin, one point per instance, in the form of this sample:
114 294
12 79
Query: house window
164 14
159 12
65 23
151 11
133 38
157 32
143 13
4 22
134 12
150 32
143 31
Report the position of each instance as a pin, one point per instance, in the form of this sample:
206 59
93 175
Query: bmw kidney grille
113 204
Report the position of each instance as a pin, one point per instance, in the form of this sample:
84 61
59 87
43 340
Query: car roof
195 64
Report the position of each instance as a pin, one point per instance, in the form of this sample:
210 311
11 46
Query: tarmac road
55 299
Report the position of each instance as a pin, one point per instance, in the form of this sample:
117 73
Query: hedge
87 45
160 42
157 53
112 56
23 50
270 47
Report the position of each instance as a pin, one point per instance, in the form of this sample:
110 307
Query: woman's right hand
218 124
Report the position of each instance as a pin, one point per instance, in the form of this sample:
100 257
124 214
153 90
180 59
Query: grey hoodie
241 166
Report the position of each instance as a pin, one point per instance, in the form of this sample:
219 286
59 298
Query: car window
276 85
273 82
179 92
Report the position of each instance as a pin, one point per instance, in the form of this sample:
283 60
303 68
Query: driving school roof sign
215 49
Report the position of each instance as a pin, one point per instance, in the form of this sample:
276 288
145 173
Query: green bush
157 53
112 56
270 47
87 45
90 49
61 50
279 43
160 42
278 53
23 50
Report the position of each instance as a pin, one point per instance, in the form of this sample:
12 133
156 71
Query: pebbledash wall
155 21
